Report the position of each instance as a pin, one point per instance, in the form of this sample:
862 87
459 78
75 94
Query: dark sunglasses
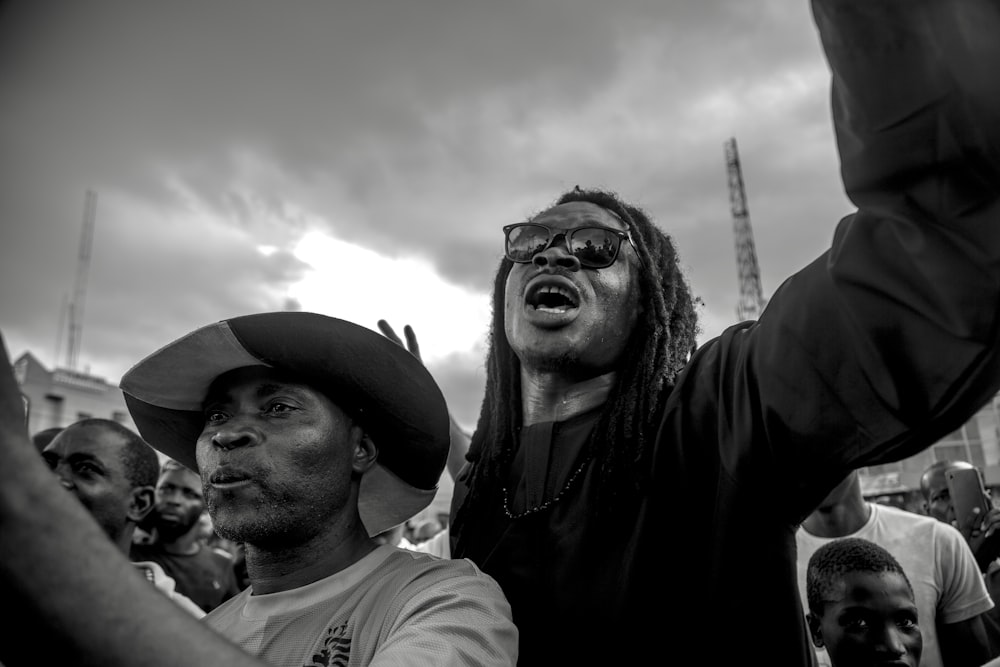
594 246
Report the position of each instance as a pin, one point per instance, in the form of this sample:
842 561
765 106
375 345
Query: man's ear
140 503
814 630
365 452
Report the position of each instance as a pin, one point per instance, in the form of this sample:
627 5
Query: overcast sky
359 159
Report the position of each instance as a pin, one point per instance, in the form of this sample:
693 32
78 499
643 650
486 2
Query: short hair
659 347
170 465
138 459
942 467
835 560
45 436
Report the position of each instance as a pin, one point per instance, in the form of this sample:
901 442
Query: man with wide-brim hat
311 435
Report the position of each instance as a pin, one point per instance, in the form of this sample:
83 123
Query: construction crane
751 301
76 306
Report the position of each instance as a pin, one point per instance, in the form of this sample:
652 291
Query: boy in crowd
861 606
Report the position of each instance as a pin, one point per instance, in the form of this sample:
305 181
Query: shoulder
945 542
428 587
408 562
918 528
887 514
919 524
217 559
407 572
441 611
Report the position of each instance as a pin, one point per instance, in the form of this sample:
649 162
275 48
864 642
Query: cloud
219 137
359 285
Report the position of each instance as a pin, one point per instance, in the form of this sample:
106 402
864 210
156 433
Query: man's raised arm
916 109
69 583
895 331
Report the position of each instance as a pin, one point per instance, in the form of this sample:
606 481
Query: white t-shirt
946 581
392 607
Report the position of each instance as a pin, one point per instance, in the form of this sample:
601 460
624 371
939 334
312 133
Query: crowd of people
624 489
946 584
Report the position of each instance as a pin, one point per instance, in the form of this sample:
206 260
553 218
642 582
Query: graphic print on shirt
335 649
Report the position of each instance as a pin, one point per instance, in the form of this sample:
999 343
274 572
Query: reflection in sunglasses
594 246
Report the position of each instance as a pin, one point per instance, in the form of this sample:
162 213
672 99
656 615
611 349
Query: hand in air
460 439
411 338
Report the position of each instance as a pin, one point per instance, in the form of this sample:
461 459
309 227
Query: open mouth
552 299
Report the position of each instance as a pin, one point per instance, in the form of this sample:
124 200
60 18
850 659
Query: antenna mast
751 301
76 306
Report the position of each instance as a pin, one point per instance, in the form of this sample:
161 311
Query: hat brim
383 385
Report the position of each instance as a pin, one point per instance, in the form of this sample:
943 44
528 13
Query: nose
65 479
891 643
232 436
171 497
63 474
557 255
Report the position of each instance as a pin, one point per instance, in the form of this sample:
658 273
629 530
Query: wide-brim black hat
385 387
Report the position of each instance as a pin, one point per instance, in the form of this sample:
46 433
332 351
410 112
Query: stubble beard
560 362
547 357
268 521
169 531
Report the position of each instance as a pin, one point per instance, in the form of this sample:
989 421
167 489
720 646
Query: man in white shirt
950 594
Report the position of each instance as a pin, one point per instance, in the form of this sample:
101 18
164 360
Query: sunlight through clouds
359 285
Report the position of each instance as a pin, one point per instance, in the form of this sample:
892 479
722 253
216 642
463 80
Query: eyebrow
262 391
268 388
75 457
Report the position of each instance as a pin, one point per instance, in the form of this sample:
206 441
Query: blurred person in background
179 543
948 590
44 437
112 472
982 535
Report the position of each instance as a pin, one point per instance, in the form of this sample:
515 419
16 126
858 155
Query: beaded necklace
548 503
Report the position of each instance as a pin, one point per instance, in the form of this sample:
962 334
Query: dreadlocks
657 350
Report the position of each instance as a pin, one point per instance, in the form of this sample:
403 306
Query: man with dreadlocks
594 415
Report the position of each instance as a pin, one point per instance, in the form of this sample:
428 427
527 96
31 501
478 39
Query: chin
549 360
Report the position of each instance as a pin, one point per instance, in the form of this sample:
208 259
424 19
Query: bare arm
90 600
964 644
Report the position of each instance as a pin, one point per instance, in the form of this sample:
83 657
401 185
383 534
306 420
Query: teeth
553 289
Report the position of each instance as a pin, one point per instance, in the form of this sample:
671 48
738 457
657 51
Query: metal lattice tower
76 306
751 301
